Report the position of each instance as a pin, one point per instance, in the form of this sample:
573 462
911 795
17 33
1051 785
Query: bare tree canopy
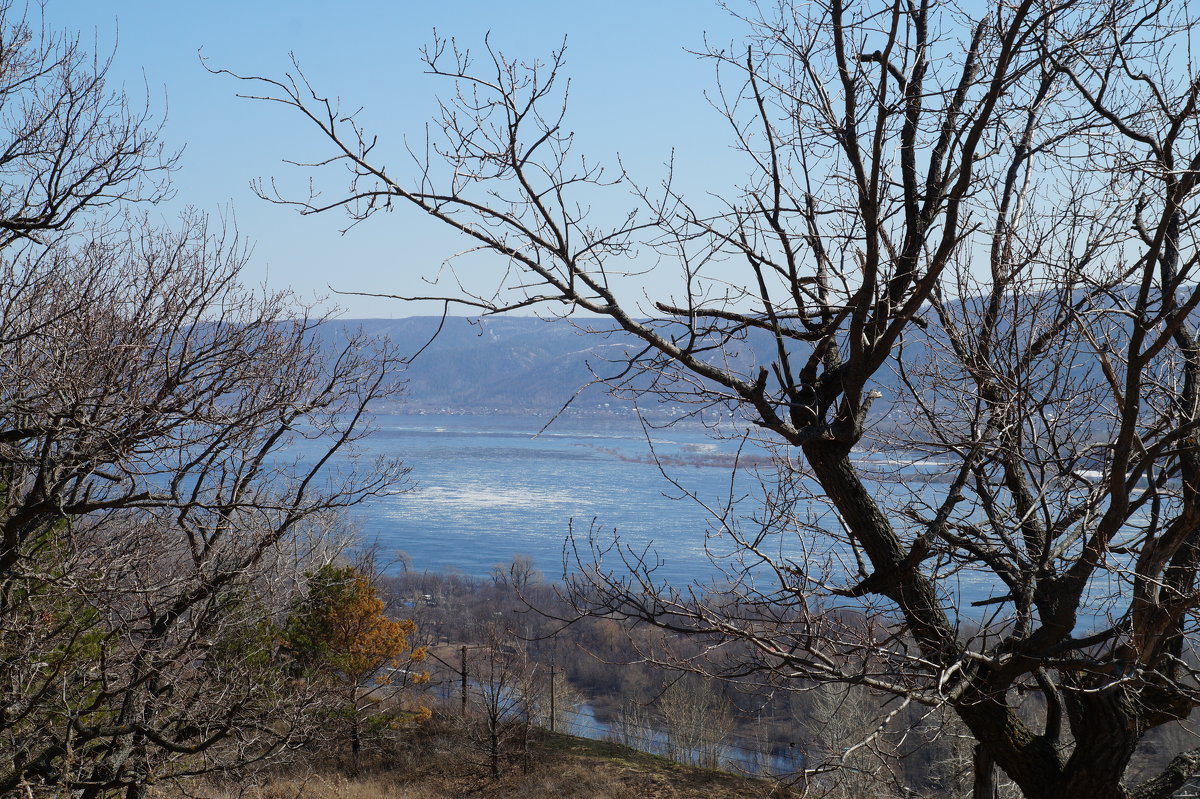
170 448
155 514
968 233
68 144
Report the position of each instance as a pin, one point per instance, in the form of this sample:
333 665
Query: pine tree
340 636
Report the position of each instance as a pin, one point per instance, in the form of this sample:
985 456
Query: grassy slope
563 767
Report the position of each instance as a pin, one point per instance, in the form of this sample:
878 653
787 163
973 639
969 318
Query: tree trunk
355 746
984 786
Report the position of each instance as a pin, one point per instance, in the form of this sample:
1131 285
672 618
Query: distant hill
517 364
507 363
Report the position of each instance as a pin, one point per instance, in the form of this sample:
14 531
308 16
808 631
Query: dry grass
574 782
324 786
562 767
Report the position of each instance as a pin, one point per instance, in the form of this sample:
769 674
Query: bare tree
968 236
170 450
850 743
517 575
501 696
697 722
68 144
152 520
633 726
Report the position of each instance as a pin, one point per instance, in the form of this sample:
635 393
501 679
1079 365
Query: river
487 487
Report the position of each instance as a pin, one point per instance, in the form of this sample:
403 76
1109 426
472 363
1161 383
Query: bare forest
995 202
966 232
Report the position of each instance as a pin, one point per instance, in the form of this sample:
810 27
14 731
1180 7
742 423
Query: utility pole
551 697
463 675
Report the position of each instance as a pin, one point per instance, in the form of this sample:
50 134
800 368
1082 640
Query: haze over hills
507 363
526 365
521 364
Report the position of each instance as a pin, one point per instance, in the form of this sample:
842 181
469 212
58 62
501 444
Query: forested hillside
500 362
525 363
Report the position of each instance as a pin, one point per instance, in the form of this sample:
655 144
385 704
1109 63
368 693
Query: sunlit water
484 488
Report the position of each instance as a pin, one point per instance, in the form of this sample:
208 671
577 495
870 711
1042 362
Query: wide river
487 487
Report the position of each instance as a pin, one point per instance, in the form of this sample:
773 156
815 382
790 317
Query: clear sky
635 91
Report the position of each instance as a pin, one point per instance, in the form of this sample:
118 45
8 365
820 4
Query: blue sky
635 91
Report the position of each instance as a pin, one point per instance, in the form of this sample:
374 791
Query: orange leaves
340 630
